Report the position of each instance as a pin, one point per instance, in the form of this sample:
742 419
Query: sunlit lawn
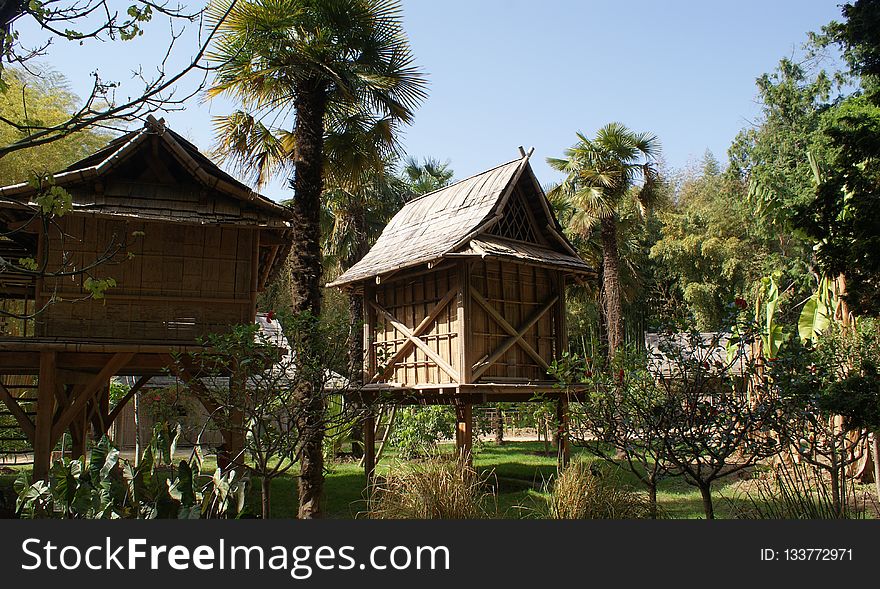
517 471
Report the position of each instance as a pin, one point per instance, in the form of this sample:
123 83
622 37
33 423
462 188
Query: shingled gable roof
454 221
197 165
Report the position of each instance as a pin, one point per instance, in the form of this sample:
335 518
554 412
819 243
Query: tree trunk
652 497
356 322
499 426
266 494
611 286
356 366
706 493
875 446
310 105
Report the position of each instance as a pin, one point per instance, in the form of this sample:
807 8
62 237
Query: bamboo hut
464 298
188 247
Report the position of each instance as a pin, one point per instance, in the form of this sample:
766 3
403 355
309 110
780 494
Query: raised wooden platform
470 394
72 379
22 355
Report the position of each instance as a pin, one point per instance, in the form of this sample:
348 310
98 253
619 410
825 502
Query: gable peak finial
155 125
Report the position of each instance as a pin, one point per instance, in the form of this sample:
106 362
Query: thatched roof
123 162
462 220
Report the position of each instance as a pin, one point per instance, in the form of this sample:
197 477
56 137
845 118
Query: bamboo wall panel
179 282
410 300
515 291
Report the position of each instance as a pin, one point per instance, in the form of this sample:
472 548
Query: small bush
417 430
580 493
434 489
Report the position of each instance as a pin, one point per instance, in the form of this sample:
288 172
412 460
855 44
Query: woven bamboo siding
182 281
410 300
515 291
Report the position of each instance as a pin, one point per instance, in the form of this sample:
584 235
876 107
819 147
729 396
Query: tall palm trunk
356 322
310 105
611 285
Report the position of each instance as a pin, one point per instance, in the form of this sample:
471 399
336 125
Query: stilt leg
464 431
45 412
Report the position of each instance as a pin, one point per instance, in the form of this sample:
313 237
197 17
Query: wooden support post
370 449
78 436
233 428
45 412
563 450
464 431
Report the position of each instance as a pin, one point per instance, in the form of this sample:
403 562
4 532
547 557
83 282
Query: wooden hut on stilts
464 299
188 246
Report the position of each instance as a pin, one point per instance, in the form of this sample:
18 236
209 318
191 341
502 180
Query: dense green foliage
40 101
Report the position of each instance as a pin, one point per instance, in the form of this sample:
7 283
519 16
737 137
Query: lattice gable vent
516 222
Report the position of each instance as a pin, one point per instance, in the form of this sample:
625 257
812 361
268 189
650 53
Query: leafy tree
314 60
831 393
841 215
771 156
709 427
246 379
80 21
616 421
601 175
705 247
45 100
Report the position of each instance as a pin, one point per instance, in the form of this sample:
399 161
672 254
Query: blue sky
505 73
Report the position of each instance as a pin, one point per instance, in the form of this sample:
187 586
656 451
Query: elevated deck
471 394
20 355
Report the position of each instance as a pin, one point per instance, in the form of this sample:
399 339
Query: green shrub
434 489
417 430
110 487
579 493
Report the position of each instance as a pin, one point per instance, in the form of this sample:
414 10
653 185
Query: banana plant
818 312
766 305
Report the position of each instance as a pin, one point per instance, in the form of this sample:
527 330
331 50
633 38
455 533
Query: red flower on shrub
740 303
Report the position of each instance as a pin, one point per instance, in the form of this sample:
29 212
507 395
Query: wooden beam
443 364
24 422
45 409
183 371
464 322
417 332
370 363
111 417
516 335
100 380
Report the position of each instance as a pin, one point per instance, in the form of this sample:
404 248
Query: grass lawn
517 471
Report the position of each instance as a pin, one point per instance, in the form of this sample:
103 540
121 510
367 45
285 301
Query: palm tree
426 176
601 174
322 62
